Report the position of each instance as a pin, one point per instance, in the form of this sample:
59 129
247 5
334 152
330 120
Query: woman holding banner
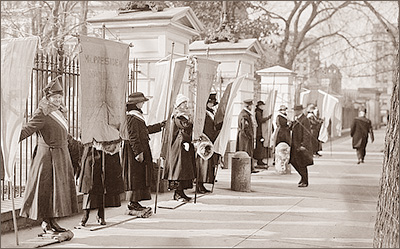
180 159
137 160
50 189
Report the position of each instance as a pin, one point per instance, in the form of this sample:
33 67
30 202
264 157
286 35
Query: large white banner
17 57
222 140
268 108
164 97
104 79
206 72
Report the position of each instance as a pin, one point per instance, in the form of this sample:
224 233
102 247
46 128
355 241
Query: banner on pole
327 113
17 58
222 140
220 113
164 97
104 79
206 72
268 109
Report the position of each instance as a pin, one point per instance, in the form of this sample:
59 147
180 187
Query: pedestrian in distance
100 180
137 159
315 123
260 151
206 168
301 148
245 134
360 128
180 164
50 190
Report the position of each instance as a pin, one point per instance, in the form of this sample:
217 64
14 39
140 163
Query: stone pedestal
241 172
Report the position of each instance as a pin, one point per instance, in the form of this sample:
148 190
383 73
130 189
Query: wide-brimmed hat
213 98
54 87
248 101
180 99
298 108
260 102
282 108
136 97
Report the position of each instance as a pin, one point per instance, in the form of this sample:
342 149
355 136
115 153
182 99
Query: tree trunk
386 233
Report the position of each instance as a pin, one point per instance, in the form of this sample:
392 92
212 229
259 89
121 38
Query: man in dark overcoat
360 128
301 148
245 135
260 151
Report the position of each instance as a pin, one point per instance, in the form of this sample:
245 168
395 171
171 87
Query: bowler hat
298 108
248 101
260 102
282 108
136 97
54 87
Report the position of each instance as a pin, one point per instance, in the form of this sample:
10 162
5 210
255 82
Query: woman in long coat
206 168
180 162
50 190
137 160
99 186
260 152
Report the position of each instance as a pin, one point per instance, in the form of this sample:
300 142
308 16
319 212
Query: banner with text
17 57
104 79
206 72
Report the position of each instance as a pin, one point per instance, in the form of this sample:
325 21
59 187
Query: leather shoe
101 221
302 185
55 227
254 171
46 226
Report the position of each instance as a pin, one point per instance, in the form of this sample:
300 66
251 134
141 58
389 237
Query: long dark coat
245 135
301 137
260 151
180 164
50 189
359 130
283 130
206 168
90 179
137 175
315 124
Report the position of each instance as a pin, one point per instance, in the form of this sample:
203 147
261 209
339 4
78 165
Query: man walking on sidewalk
360 128
301 150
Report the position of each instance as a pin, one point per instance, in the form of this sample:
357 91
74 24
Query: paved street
337 209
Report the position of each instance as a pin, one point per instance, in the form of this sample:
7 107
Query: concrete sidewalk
337 209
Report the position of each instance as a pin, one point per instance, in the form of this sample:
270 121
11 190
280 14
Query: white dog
282 156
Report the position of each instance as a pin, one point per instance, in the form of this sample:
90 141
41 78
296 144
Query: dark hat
282 108
213 98
260 102
248 101
298 108
54 87
136 97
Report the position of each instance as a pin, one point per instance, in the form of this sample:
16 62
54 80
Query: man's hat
54 87
213 98
260 102
136 97
298 108
248 101
282 108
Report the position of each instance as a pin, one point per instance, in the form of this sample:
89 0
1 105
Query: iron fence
47 67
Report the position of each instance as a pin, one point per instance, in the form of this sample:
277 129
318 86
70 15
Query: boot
46 226
184 196
134 205
56 228
202 189
85 217
100 216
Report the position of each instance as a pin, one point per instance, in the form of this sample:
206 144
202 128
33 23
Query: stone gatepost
283 80
236 59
